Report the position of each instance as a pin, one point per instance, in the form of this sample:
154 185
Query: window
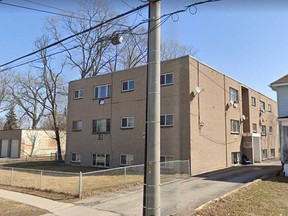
126 159
166 79
75 157
234 95
254 128
166 161
253 101
101 126
78 94
127 85
103 91
77 126
127 122
235 126
270 129
272 153
264 154
269 108
166 120
263 130
262 105
101 160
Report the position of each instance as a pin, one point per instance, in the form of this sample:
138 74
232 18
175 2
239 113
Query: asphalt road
184 196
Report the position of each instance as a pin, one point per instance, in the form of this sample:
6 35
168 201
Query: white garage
14 149
4 148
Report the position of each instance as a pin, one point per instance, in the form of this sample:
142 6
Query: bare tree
55 92
90 50
26 90
172 49
5 79
133 52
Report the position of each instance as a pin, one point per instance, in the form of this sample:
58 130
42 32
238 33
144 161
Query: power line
39 10
74 35
44 5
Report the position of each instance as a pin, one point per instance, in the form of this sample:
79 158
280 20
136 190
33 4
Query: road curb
227 194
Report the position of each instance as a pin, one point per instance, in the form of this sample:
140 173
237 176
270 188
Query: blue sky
246 40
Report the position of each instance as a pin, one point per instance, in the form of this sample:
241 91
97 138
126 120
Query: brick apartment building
206 117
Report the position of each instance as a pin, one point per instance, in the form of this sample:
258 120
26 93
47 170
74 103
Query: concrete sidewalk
55 207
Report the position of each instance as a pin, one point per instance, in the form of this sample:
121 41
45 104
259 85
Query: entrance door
4 148
284 144
256 149
14 149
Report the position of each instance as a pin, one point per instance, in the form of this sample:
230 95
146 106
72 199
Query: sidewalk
55 207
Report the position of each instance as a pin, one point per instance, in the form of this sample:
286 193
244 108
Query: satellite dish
198 89
235 105
243 117
232 102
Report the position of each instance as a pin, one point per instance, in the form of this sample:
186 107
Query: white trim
78 157
79 97
128 81
127 127
165 74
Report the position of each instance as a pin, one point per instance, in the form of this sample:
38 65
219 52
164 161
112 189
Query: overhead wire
39 10
76 34
165 16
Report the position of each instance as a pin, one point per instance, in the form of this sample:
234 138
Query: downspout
225 121
198 98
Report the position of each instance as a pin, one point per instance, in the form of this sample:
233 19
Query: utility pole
152 169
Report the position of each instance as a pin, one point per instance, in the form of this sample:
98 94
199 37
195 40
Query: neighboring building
19 143
281 86
206 117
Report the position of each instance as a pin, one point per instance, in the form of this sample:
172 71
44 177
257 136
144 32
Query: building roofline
231 78
175 59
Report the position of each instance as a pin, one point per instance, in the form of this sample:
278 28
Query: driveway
184 196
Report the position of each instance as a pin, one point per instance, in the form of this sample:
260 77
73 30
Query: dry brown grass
263 198
11 208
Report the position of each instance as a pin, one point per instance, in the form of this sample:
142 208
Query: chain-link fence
89 183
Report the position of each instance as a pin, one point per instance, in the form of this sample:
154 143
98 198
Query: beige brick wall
198 132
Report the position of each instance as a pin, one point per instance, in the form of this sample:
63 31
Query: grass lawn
264 198
11 208
48 165
66 184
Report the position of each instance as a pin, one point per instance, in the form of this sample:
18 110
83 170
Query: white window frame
269 108
234 95
272 153
264 154
78 94
270 129
78 124
165 120
165 79
129 122
163 163
263 130
97 92
234 123
97 155
129 88
262 105
254 130
107 126
129 159
77 156
253 101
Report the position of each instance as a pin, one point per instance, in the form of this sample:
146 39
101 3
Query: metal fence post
41 174
11 177
125 175
80 186
189 167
